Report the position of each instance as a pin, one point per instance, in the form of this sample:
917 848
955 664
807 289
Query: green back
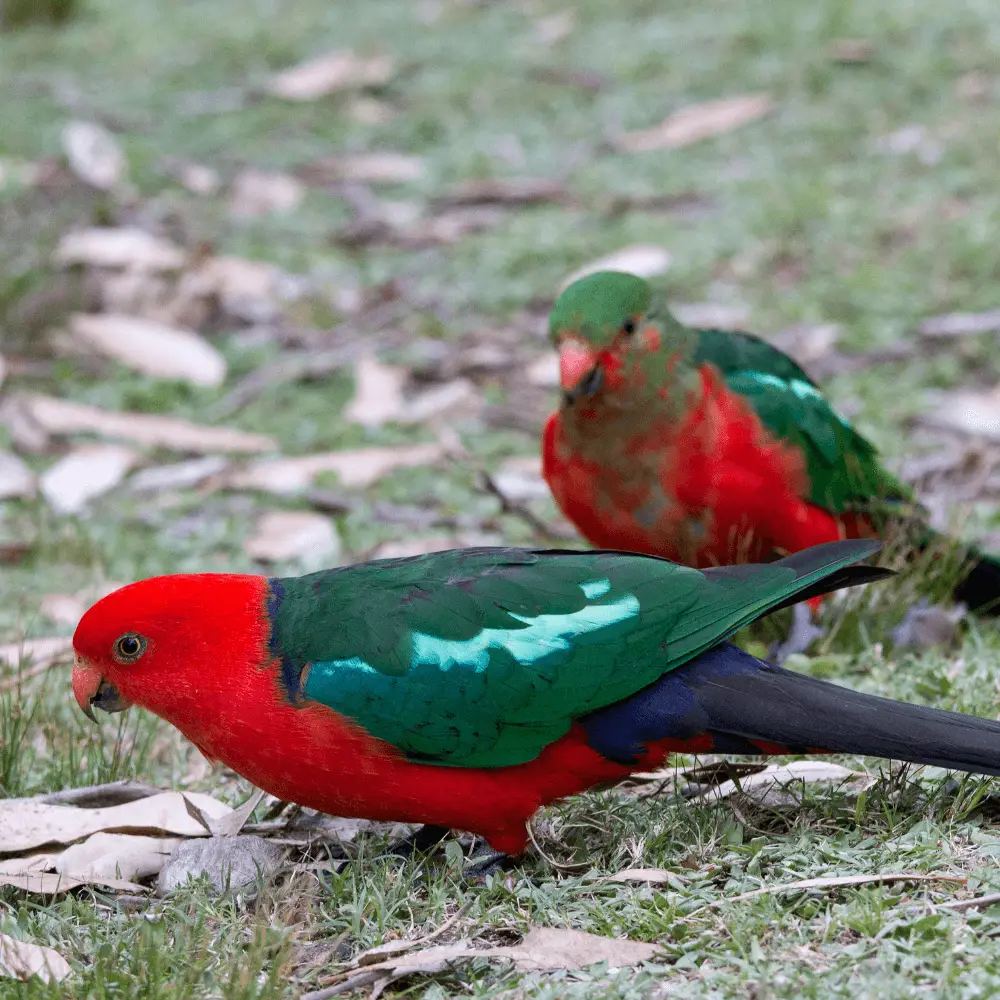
733 353
843 466
482 657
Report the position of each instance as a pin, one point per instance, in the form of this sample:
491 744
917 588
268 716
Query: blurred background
274 276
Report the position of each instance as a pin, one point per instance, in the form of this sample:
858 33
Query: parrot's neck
643 404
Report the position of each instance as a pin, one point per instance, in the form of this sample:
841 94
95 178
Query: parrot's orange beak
580 372
91 689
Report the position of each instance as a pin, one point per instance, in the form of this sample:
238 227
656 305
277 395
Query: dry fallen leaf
378 393
644 260
124 247
35 652
647 876
759 785
368 168
16 479
27 824
421 546
326 74
960 324
554 27
284 535
85 474
45 883
521 479
697 122
544 371
807 343
22 960
59 417
250 290
151 348
196 177
544 949
177 475
360 468
973 413
711 315
259 192
231 824
852 50
122 856
62 609
458 394
94 155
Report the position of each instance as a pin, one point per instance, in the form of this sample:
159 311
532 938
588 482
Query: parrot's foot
424 840
486 862
801 636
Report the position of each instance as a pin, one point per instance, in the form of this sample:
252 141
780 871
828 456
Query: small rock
927 626
231 864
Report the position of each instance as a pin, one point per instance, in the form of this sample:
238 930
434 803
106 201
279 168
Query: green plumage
482 657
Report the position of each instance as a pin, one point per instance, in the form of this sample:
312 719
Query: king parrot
467 688
708 447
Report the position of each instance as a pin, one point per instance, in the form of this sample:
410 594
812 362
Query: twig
349 979
558 865
509 506
11 683
831 882
978 903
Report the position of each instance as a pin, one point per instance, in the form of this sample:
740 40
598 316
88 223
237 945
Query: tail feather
980 589
728 692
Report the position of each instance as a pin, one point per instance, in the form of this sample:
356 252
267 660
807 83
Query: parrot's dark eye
129 647
628 327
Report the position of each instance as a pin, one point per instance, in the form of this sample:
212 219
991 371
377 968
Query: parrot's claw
421 842
803 632
487 862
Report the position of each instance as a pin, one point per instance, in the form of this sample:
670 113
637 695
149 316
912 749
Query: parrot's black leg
426 838
803 632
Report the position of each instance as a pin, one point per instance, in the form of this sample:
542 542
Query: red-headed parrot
467 688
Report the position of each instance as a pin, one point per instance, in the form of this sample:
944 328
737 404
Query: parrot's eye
129 647
628 327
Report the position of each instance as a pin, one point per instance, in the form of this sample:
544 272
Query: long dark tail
980 589
742 702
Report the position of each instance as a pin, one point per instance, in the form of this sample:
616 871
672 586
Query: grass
809 219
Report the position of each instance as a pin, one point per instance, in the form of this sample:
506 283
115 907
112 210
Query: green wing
482 657
734 353
844 468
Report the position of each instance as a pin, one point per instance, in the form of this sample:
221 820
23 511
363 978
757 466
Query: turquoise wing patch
474 701
843 466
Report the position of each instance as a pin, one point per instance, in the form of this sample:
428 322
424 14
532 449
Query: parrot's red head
172 644
597 325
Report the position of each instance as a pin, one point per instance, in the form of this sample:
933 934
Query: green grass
808 220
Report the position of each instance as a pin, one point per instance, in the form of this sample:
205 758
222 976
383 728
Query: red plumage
711 489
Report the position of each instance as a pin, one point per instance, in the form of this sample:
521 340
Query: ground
867 198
